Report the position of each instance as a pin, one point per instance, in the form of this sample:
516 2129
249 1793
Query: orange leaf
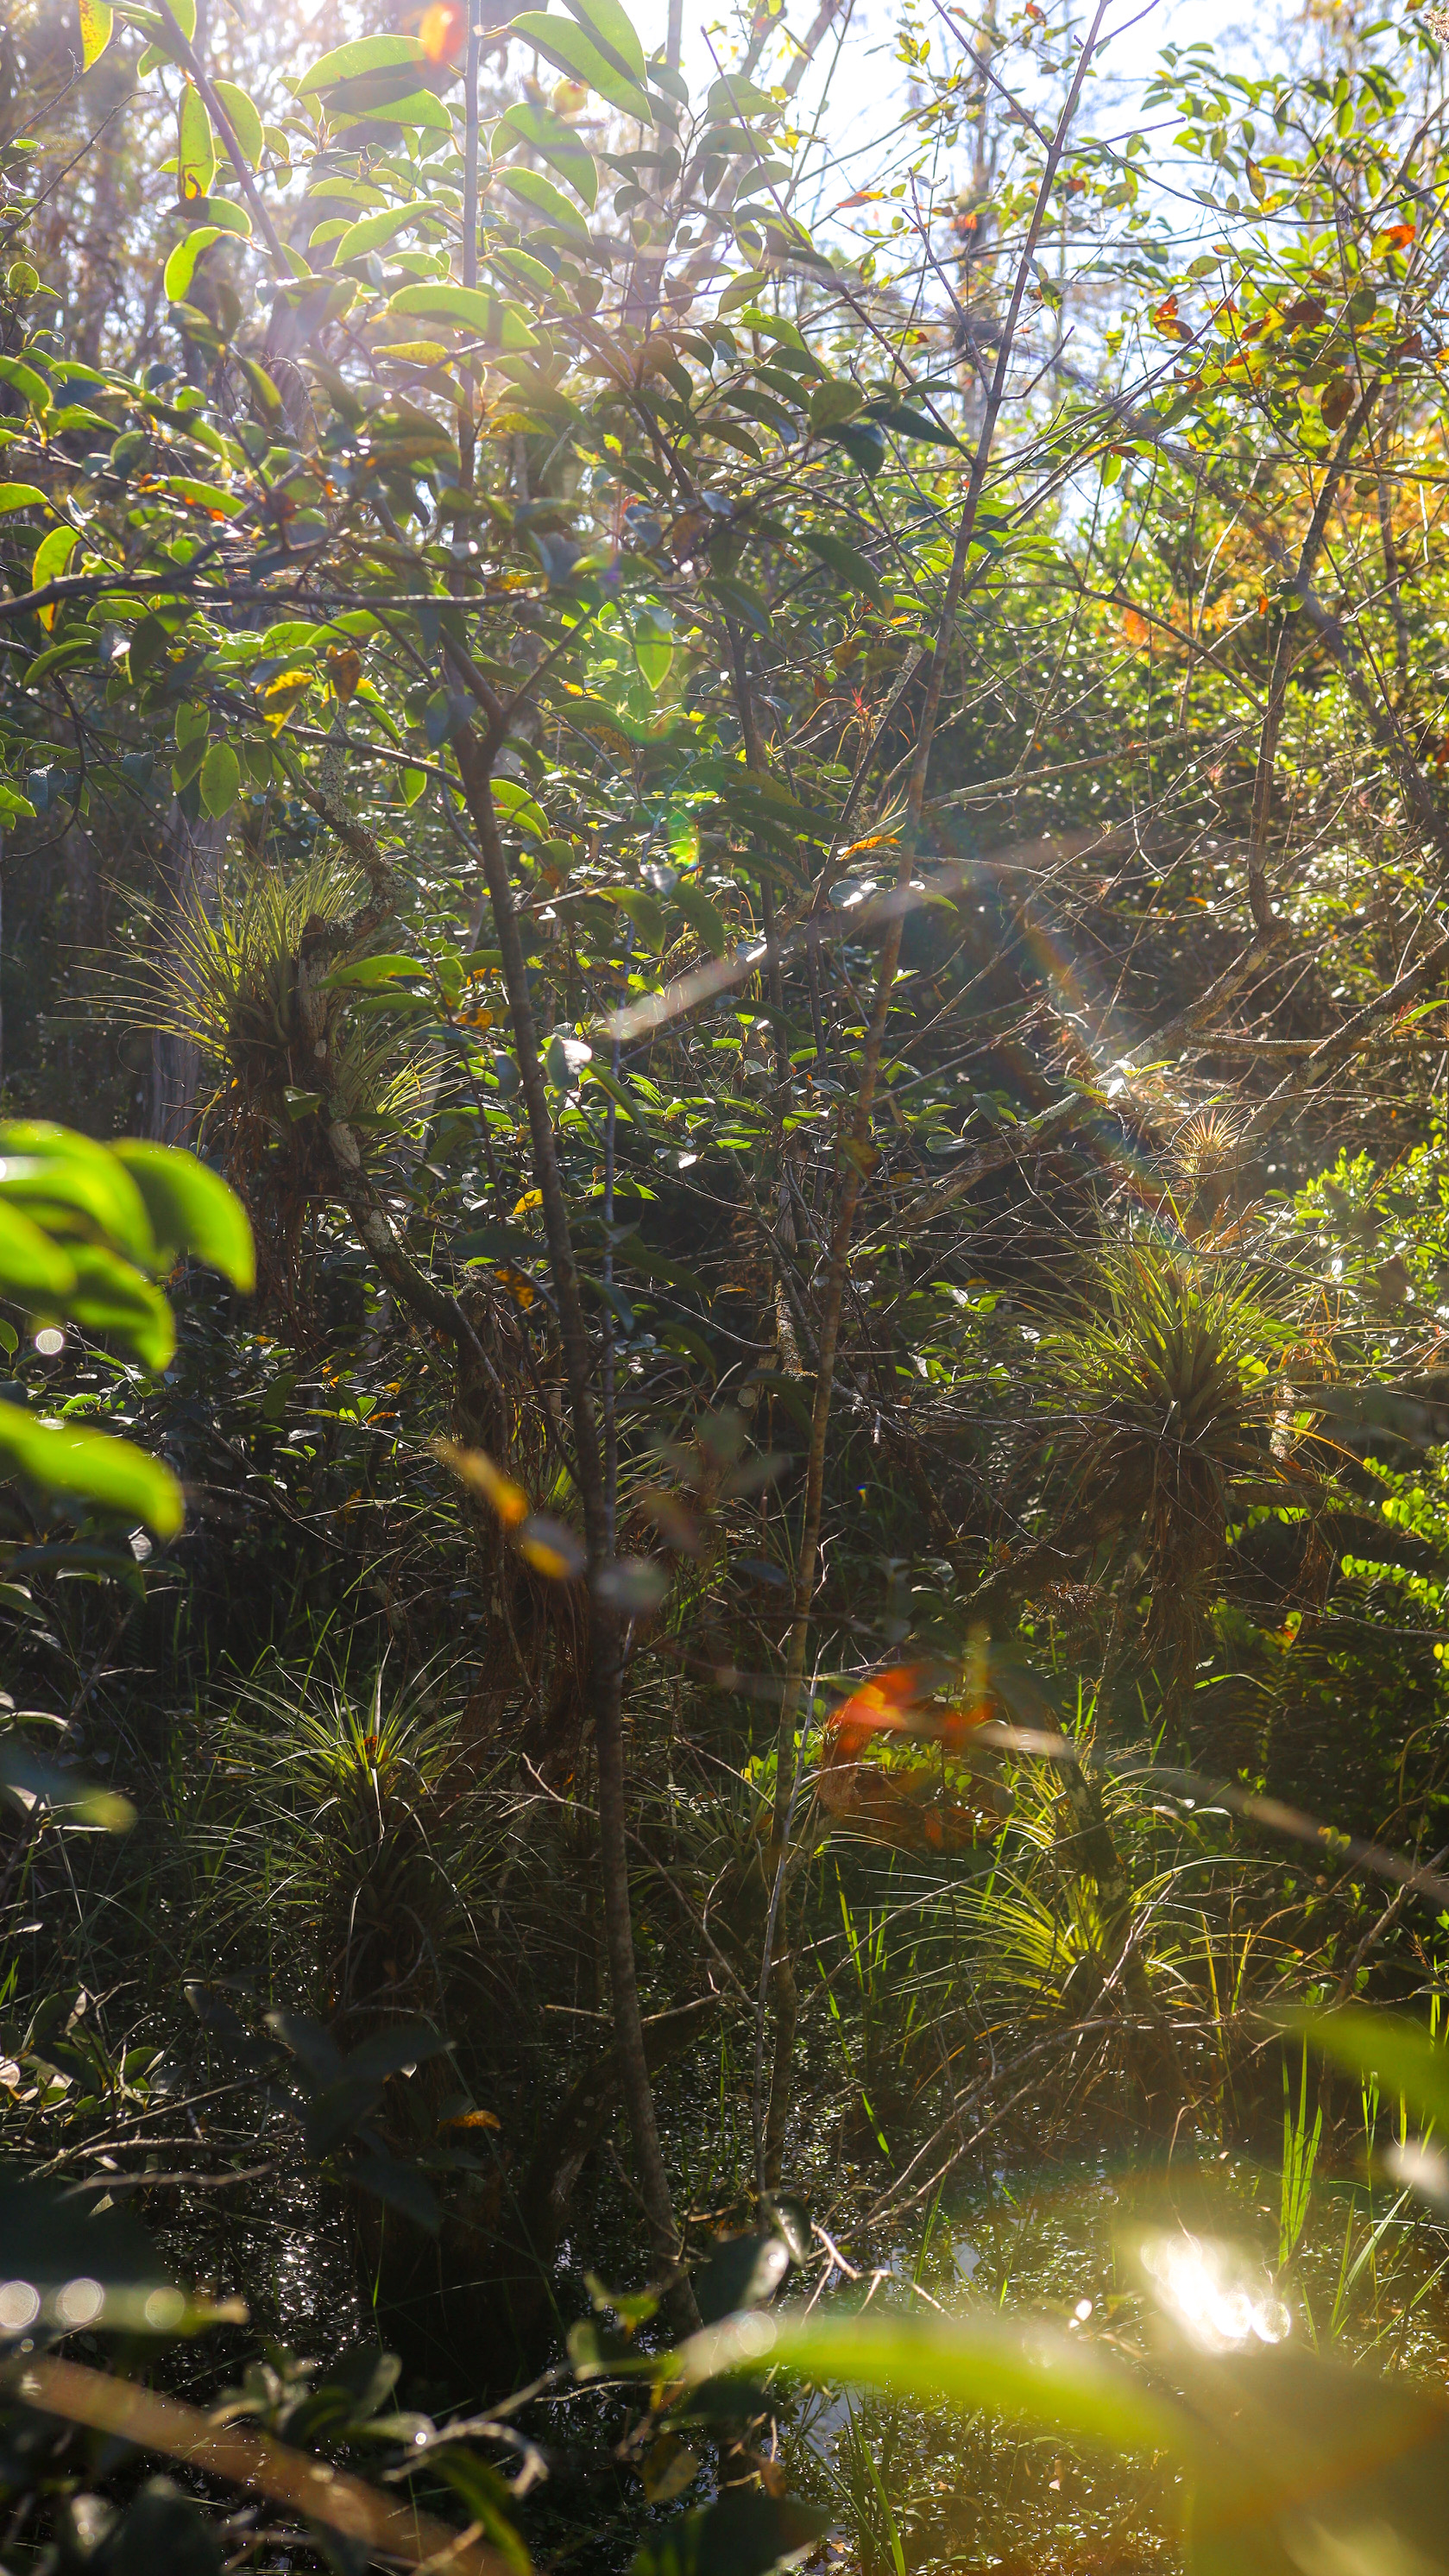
1135 627
442 30
344 670
1399 236
474 1468
879 1705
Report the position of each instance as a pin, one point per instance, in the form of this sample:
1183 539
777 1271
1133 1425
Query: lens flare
1216 2294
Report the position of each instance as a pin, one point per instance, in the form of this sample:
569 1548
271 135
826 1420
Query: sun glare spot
1215 2293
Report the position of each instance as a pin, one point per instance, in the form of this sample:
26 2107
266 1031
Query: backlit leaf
474 1468
245 121
51 558
539 130
191 1209
543 198
613 30
488 317
89 1467
97 19
195 146
576 53
369 54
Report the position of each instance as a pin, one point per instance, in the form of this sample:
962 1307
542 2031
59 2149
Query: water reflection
1215 2293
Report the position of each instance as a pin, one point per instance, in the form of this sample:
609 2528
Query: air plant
380 1841
258 985
1163 1398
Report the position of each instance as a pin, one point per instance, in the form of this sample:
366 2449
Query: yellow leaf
282 696
530 1199
550 1549
475 1469
96 22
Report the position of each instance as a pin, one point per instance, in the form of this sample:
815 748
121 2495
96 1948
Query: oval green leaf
21 496
704 917
539 130
195 146
576 54
70 1183
88 1467
369 54
244 118
543 198
613 31
51 557
371 231
191 1210
491 317
220 780
181 266
32 1268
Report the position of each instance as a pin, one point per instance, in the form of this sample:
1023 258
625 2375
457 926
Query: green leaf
180 268
369 54
246 124
73 1186
89 1467
613 32
366 974
1031 2374
371 231
191 1210
195 146
13 371
654 647
543 198
851 570
51 557
111 1297
21 496
1387 2045
576 54
863 442
490 317
911 424
834 402
61 657
21 1769
392 98
733 98
704 917
97 19
646 913
517 807
220 780
33 1270
537 129
743 2533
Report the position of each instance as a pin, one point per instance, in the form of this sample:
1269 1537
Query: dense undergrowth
725 1570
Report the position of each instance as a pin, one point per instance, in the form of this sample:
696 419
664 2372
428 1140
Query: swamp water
1226 2252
